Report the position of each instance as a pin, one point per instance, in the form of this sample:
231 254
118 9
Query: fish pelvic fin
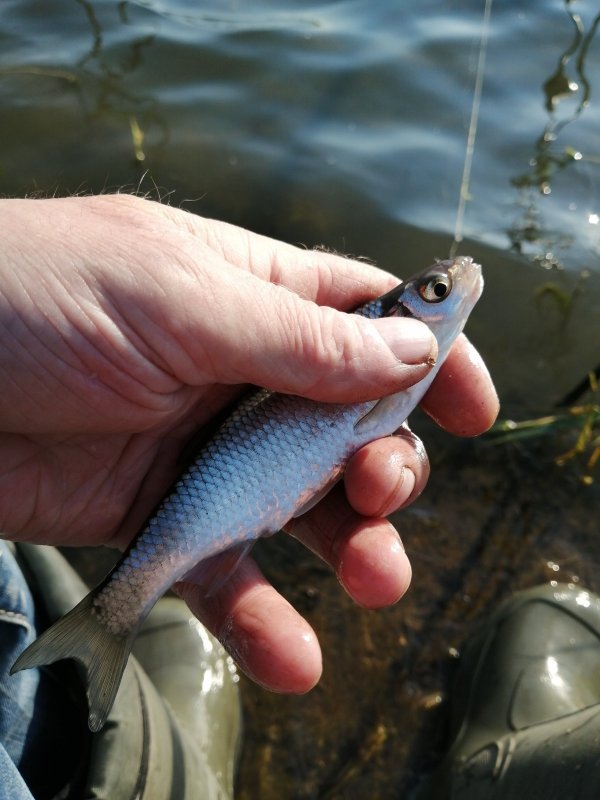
82 636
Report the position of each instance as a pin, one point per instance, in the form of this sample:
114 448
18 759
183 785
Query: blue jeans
17 692
43 742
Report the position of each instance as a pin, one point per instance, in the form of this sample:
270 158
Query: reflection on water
559 85
327 112
108 92
570 87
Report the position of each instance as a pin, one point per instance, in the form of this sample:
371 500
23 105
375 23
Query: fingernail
410 340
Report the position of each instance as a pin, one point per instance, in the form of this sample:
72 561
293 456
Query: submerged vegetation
578 422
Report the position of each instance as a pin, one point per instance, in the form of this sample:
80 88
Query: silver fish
273 458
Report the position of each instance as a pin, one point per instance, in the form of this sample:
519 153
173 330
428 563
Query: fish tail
81 635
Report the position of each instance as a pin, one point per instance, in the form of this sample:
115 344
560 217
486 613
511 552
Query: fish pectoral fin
376 421
213 572
82 636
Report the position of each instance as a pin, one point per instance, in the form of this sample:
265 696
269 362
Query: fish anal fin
82 636
213 572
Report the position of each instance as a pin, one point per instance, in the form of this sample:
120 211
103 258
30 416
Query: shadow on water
344 124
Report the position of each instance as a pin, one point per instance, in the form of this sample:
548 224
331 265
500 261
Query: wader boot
174 728
526 705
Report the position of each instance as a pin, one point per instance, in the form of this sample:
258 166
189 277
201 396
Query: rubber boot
526 713
198 682
154 748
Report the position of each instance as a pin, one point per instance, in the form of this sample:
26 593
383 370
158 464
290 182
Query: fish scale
246 484
272 459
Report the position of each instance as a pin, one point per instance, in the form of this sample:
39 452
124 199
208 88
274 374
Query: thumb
252 331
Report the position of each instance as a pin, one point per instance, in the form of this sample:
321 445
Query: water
340 123
319 120
344 124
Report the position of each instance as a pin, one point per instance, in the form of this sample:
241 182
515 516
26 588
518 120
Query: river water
341 124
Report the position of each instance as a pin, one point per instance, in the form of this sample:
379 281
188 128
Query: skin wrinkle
273 271
236 251
100 366
373 472
324 286
237 646
310 345
149 373
326 369
153 376
199 367
41 308
332 552
29 498
206 362
306 343
117 534
162 449
292 266
41 362
8 381
146 397
146 231
111 480
347 351
401 478
315 348
167 463
164 468
319 290
275 316
249 257
86 382
324 290
27 353
108 480
70 367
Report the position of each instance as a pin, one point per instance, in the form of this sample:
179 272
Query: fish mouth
463 270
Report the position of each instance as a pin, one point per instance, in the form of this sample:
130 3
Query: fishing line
463 194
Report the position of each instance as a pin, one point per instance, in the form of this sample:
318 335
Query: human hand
126 325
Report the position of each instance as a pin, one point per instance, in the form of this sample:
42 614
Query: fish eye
435 288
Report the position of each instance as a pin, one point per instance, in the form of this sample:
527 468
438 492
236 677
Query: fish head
442 297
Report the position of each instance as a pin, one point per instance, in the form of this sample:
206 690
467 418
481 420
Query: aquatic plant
579 421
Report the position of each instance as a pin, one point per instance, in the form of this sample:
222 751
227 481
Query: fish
272 459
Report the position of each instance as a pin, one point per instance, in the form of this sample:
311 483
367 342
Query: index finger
462 398
318 275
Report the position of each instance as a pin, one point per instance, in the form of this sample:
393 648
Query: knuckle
326 344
